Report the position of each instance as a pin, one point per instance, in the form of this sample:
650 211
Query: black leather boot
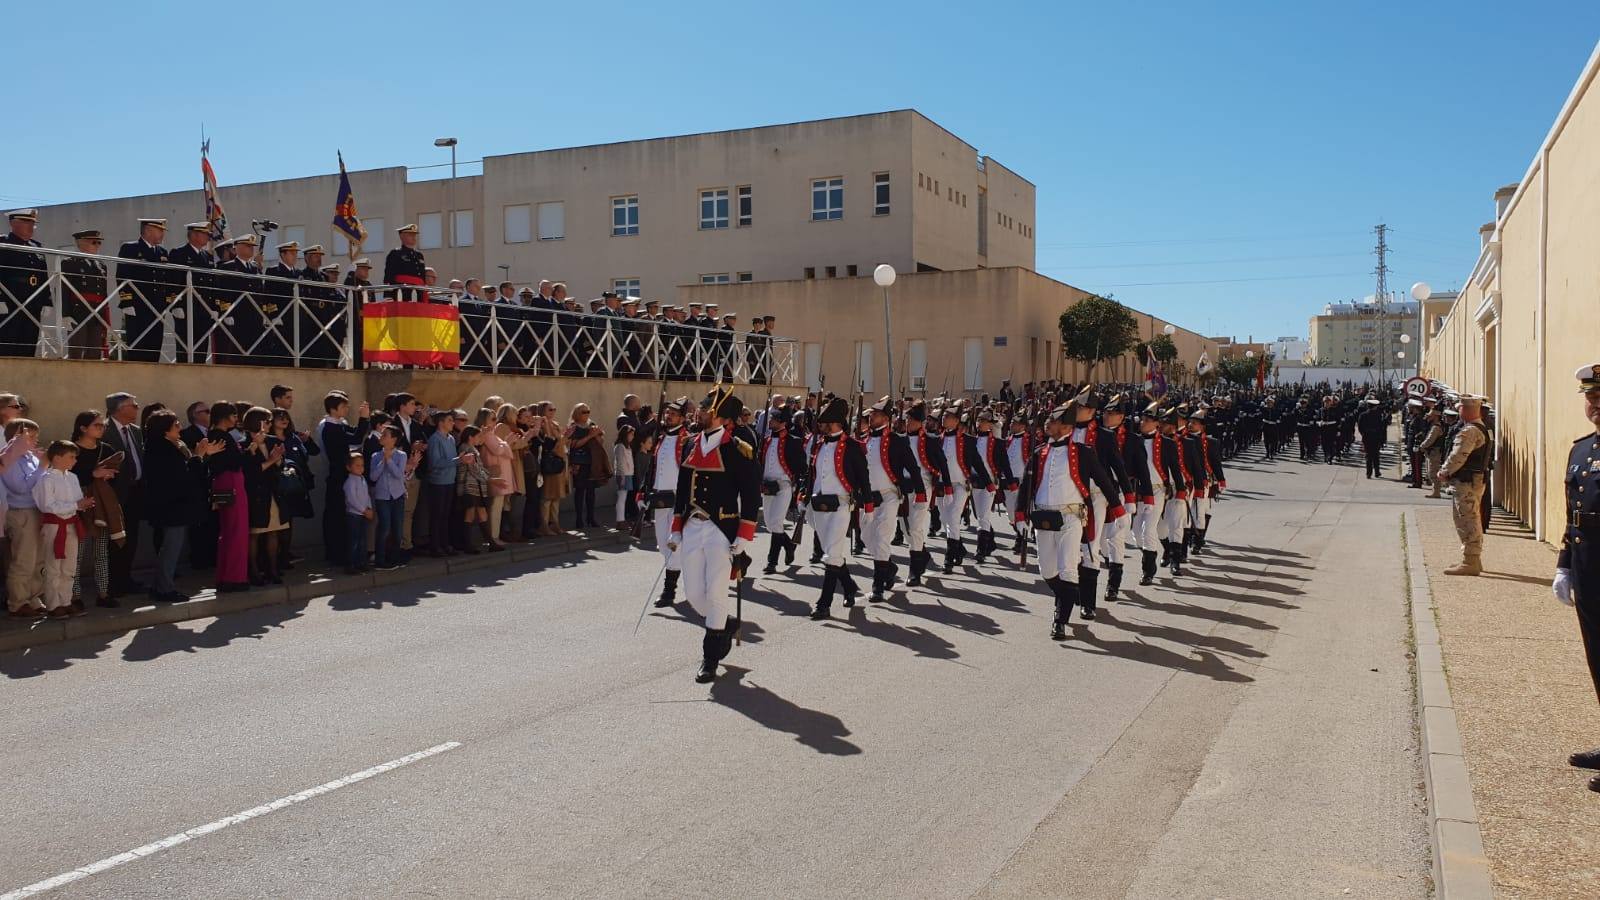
816 547
772 554
1200 537
1166 551
899 536
950 557
709 647
788 550
1180 555
877 582
830 580
1113 580
1066 599
1088 585
983 546
669 589
847 585
919 564
1147 566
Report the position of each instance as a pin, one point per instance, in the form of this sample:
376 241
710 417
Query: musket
646 488
741 565
649 597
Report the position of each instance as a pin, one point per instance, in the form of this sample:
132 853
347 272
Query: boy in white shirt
60 499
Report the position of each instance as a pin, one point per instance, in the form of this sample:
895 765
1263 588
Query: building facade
1366 333
810 200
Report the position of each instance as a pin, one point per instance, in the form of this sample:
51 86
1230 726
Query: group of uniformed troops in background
243 314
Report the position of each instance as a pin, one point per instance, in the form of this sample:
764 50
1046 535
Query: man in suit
23 294
195 255
147 292
125 437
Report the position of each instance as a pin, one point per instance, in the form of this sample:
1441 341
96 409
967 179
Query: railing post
188 316
53 277
350 336
494 338
294 330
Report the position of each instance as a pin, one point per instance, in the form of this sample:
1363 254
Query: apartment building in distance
810 200
1360 332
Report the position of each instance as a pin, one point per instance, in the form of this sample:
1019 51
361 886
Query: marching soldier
1136 489
404 264
714 521
1208 479
1018 452
1159 482
838 473
1467 465
992 457
1175 513
83 303
783 466
23 294
963 474
1105 496
146 291
928 451
1577 581
661 489
893 477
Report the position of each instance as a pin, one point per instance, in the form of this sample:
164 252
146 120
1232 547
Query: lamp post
1420 292
451 200
1404 339
1169 329
883 275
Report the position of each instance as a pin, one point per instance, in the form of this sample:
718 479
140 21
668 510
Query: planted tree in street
1096 329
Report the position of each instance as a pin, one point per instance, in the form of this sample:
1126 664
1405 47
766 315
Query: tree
1240 370
1165 350
1096 329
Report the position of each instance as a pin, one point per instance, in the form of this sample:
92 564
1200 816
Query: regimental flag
1153 373
1261 373
214 212
411 334
345 220
1204 365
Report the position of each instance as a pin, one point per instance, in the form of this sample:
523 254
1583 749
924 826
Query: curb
207 603
1460 867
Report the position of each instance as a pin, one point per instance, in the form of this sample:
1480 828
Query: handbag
291 484
551 464
222 499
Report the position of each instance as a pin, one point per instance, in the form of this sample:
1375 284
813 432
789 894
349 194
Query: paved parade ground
1247 730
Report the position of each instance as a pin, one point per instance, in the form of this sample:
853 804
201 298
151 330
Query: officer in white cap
1577 581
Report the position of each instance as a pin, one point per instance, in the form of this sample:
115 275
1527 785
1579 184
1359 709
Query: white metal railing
57 303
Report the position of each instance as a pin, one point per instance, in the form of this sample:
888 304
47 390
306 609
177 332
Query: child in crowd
472 494
622 465
358 511
60 498
390 471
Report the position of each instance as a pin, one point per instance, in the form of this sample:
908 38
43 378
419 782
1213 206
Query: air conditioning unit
919 382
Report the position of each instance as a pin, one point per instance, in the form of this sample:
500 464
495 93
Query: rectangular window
880 194
833 271
713 209
624 215
746 206
850 271
375 235
863 367
917 364
972 364
827 199
714 278
464 222
813 363
341 244
625 287
919 179
552 220
519 224
430 234
744 277
810 272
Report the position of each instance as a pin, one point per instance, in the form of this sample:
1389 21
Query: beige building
1525 318
956 332
810 200
1366 333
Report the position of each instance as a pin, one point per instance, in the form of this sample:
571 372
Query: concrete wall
944 309
1526 319
944 185
1010 242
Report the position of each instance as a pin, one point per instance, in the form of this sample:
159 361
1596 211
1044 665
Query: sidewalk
1524 701
309 580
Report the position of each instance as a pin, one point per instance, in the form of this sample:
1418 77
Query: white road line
165 843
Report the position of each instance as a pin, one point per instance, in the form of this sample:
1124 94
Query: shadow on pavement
156 641
917 639
1182 636
822 732
1190 589
35 661
750 632
1224 617
938 613
1208 664
1002 602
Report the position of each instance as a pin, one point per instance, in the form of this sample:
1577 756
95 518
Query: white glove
740 545
1562 586
673 540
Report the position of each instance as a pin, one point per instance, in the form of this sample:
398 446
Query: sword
647 598
741 565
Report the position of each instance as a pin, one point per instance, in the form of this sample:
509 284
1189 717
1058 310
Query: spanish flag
411 334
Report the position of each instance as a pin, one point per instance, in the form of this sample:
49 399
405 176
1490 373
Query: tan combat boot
1469 565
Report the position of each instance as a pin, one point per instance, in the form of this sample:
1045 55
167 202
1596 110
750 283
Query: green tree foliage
1096 329
1239 370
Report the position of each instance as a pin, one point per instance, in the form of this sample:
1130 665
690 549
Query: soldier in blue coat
1577 581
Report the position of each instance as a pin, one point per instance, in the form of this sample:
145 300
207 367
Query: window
341 244
813 363
714 209
626 287
295 234
880 194
810 272
744 277
827 199
375 234
714 278
833 271
464 221
519 224
850 271
746 206
972 364
917 361
431 231
863 367
624 215
552 220
919 179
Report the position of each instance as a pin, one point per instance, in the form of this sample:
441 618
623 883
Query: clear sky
1218 164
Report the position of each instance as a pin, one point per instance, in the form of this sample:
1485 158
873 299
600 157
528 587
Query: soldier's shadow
822 732
918 640
1201 662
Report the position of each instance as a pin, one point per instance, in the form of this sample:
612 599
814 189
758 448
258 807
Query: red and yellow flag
411 334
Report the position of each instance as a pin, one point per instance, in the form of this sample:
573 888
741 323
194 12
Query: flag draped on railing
345 220
1153 373
411 334
214 212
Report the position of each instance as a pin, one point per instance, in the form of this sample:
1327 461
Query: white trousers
25 576
1058 550
983 509
1199 507
950 507
775 508
1146 523
663 521
1173 514
918 515
1097 511
707 561
877 527
1114 538
832 530
59 573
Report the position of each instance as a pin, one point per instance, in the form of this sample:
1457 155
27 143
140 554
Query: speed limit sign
1417 388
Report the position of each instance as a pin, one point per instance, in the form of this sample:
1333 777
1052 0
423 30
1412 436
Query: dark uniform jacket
1088 472
21 271
791 457
1130 445
896 458
724 485
405 265
849 463
997 461
1105 448
153 284
1579 541
967 458
1204 459
87 279
929 447
1169 463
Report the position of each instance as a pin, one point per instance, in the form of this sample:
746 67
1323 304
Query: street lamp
1169 330
451 143
883 275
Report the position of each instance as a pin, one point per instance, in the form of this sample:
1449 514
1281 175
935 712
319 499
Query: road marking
111 862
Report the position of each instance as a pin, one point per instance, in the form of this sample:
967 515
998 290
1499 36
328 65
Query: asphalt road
1244 731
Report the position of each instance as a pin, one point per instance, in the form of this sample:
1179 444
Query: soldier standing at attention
23 297
404 264
83 302
714 521
1466 465
1577 581
194 253
240 306
146 292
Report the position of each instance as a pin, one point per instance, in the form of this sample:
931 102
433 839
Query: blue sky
1222 167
